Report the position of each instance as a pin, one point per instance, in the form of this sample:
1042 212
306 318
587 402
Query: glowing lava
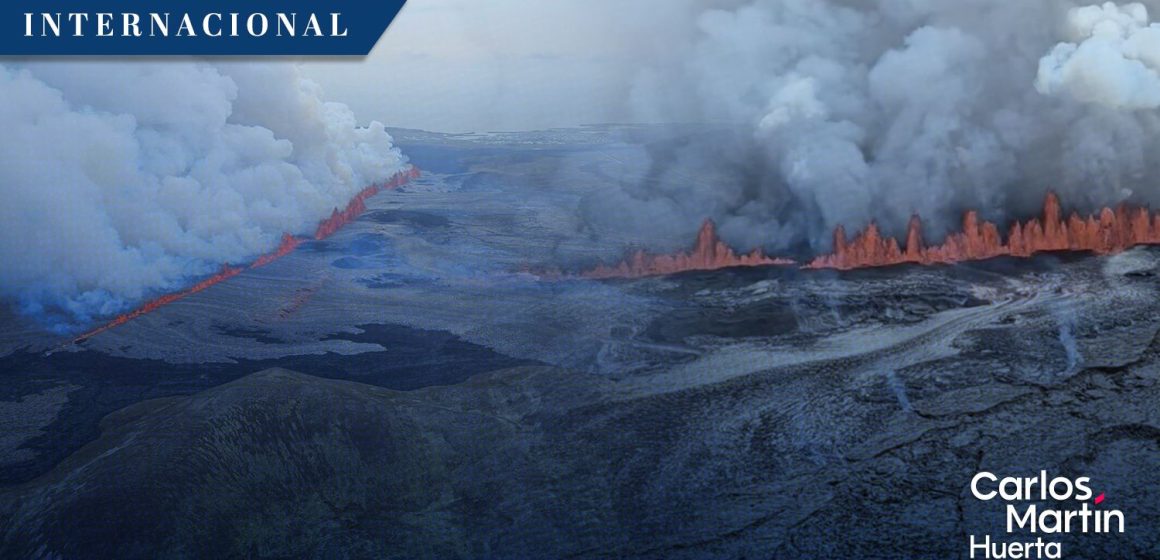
1105 233
288 244
225 274
709 253
357 205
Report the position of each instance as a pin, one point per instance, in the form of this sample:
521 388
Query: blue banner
193 27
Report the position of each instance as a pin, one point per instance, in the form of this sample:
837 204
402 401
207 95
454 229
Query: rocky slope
536 462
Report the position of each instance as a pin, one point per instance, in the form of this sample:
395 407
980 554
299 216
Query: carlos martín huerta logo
1075 508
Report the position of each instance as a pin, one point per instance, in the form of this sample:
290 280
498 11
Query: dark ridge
413 359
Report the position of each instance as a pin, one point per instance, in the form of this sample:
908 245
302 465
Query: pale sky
491 65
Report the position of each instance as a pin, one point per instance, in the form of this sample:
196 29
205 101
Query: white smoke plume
843 111
123 180
1115 61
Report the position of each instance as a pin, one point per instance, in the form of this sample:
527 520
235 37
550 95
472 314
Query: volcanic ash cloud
121 181
846 112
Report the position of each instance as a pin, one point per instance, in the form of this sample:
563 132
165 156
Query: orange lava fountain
1108 232
289 243
357 205
709 253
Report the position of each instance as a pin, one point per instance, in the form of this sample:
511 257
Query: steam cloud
842 111
1115 63
122 180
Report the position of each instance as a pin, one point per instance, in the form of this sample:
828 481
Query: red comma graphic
1099 499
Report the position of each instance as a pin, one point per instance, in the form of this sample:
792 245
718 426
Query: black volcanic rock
276 464
537 462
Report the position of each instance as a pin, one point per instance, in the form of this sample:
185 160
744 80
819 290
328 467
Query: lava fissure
1106 232
709 253
1109 231
357 205
337 220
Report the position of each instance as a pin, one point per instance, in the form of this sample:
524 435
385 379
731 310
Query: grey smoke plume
118 181
845 111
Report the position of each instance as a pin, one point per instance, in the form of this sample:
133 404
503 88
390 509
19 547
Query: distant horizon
390 127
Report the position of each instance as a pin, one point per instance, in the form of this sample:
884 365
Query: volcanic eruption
357 205
827 113
1105 232
337 220
708 253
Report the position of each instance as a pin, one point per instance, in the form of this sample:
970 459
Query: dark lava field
406 389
